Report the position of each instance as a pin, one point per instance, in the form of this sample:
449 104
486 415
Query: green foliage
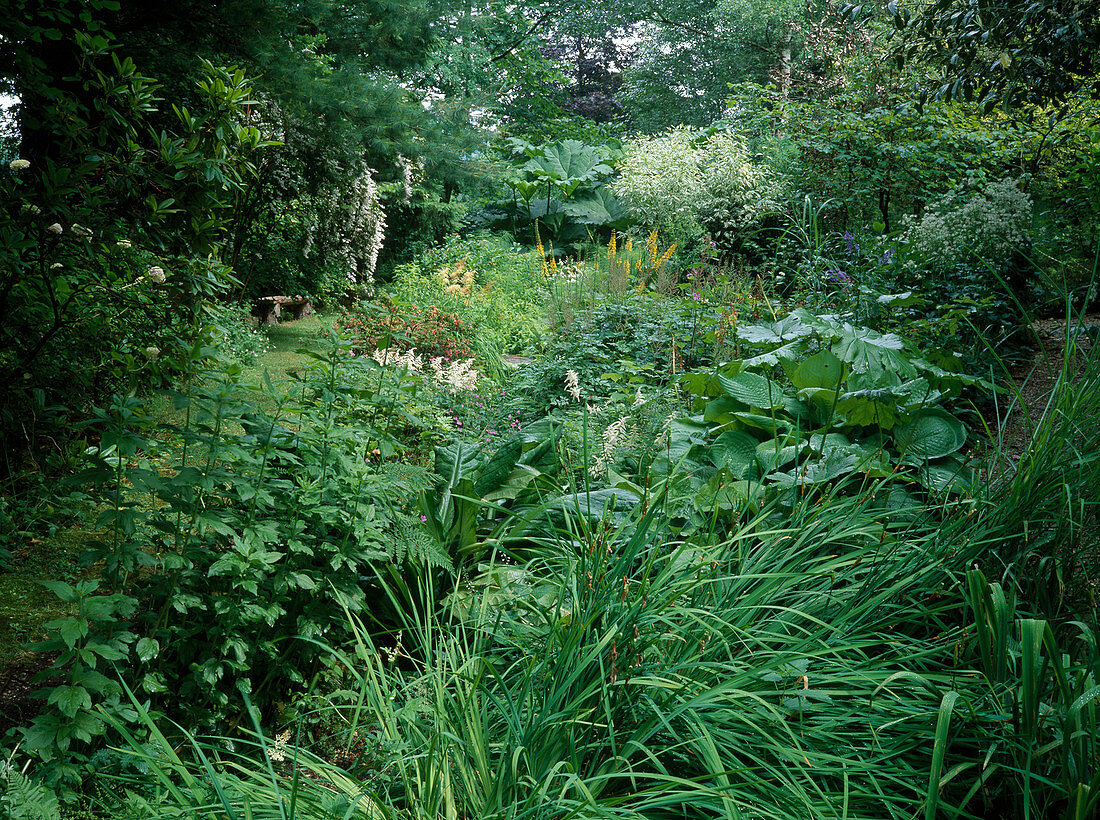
492 285
675 181
862 405
559 189
216 553
110 249
996 56
22 798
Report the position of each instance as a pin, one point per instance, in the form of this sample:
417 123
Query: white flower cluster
156 275
621 436
991 223
456 376
572 385
352 228
19 164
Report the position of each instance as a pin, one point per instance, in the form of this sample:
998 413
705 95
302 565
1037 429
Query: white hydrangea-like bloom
81 231
56 266
125 244
56 228
155 274
991 223
19 164
152 352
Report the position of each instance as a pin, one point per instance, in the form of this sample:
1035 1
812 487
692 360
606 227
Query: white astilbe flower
619 435
460 376
395 357
454 376
572 385
662 436
19 164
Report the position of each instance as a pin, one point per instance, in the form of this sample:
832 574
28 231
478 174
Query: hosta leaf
734 451
754 390
683 435
824 442
950 477
822 370
771 455
721 410
933 434
772 425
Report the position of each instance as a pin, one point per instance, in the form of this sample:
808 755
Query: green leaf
933 434
771 455
754 390
147 649
66 592
72 630
599 208
822 370
786 329
949 477
569 160
683 435
870 352
733 451
70 700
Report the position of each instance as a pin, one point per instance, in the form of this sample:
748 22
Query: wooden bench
269 309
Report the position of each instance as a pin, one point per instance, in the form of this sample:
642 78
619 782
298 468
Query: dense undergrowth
790 598
698 504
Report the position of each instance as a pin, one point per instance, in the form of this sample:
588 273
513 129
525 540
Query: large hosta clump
821 401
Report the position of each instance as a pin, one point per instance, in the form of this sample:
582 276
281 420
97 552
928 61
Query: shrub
991 223
682 178
431 331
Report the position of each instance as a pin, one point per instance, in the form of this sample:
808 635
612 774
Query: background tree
1015 52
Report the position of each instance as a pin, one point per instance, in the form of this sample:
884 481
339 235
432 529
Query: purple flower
888 256
837 275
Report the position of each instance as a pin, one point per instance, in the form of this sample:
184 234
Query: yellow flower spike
629 244
666 256
651 248
611 246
